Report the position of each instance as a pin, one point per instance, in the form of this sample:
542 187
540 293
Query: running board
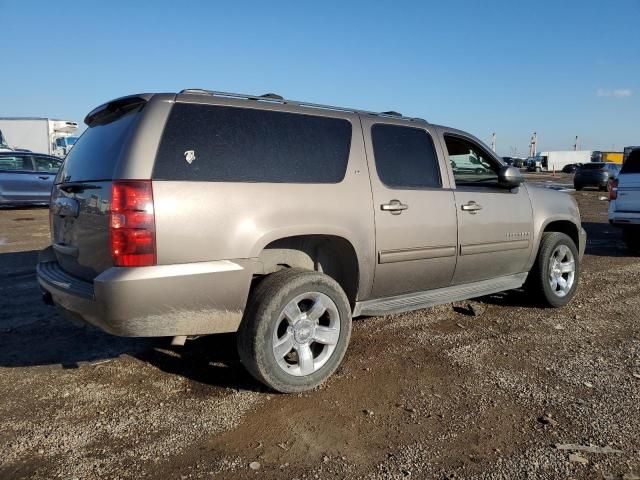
430 298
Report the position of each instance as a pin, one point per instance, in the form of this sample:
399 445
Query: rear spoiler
110 111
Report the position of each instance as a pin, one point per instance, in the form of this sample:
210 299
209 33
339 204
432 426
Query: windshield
592 166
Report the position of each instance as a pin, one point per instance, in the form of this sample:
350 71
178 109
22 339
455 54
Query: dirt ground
436 393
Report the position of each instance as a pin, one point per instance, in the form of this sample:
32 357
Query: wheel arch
562 225
333 255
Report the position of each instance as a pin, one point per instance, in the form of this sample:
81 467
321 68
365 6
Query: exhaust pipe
178 341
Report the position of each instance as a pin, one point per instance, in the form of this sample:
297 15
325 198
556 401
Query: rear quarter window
234 144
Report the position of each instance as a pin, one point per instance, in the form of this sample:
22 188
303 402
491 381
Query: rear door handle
471 207
394 206
43 178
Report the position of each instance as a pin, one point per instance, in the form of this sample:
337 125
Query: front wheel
554 277
295 330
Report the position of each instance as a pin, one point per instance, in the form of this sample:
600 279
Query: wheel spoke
284 345
562 283
317 309
567 267
554 283
562 252
292 312
305 359
326 335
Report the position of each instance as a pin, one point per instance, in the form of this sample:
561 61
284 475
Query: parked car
571 168
624 196
26 178
595 174
204 212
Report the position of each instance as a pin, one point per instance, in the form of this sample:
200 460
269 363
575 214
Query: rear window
592 166
96 153
632 165
232 144
405 157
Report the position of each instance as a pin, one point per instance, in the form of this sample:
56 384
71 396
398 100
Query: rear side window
96 153
17 163
232 144
632 165
405 157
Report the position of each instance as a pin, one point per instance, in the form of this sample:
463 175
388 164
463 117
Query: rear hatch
629 184
591 172
81 197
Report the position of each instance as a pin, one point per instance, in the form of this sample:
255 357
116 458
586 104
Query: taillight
132 224
613 189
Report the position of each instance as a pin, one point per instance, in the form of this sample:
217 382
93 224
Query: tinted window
471 164
405 157
19 163
592 166
96 153
230 144
632 164
47 164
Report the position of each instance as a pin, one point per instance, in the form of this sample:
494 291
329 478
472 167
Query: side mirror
510 177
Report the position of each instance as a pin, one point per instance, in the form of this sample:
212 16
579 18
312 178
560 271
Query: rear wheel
554 277
295 330
577 187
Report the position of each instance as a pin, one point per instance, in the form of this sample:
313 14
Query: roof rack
274 98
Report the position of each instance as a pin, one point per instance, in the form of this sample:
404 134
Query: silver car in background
27 178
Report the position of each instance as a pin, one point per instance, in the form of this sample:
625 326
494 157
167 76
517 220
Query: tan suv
205 212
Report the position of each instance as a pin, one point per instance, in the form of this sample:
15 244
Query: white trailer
549 161
40 135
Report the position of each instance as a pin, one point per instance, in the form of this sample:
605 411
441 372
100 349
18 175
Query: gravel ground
437 393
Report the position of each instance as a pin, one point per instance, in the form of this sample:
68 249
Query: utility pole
493 141
576 145
532 145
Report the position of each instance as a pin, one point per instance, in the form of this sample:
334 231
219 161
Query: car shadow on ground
32 333
605 240
35 334
209 360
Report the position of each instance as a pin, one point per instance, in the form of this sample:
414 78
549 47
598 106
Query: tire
632 240
578 187
539 282
265 325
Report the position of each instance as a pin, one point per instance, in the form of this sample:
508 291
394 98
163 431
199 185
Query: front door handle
394 206
471 207
43 178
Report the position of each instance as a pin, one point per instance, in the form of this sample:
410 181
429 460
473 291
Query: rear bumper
164 300
622 219
591 181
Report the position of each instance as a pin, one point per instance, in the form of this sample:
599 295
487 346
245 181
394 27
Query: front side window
16 163
471 165
405 157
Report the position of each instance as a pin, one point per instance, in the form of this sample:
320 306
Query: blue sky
562 68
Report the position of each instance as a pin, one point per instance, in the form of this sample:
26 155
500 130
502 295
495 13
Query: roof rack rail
272 97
